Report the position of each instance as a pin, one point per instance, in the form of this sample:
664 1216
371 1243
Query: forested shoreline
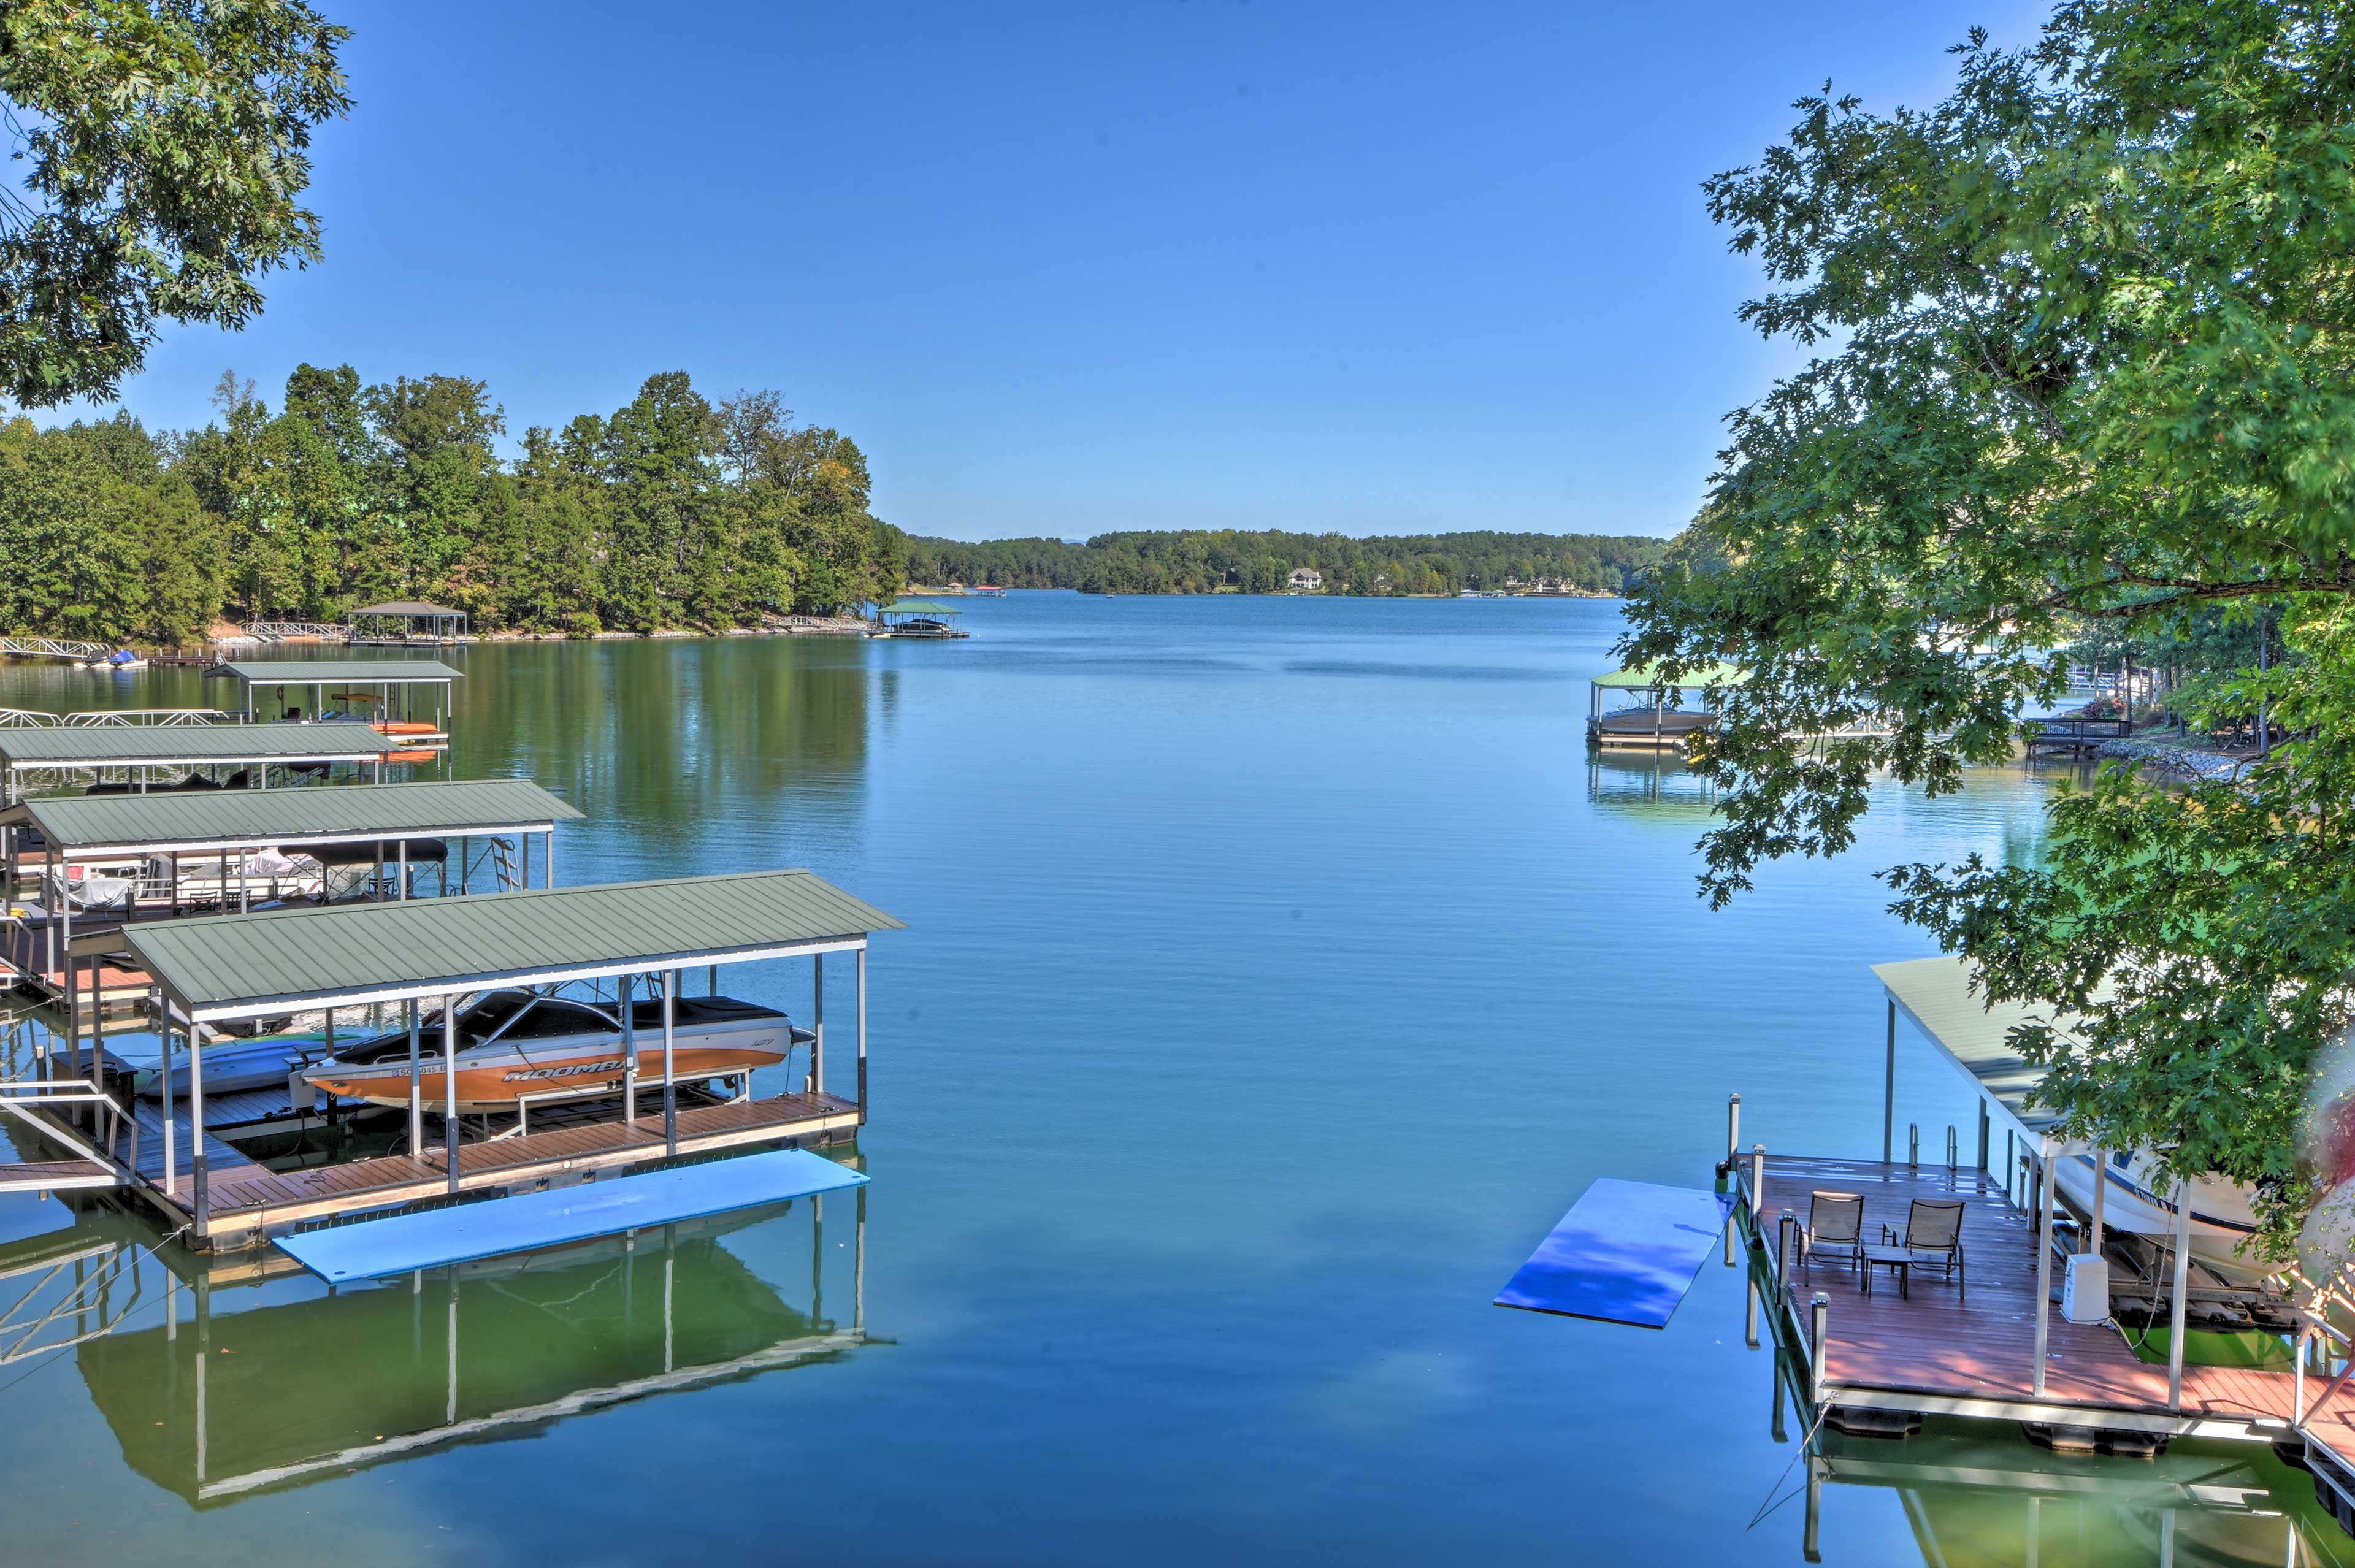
1206 561
673 511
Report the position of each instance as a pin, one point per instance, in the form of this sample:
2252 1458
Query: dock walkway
1947 1352
246 1198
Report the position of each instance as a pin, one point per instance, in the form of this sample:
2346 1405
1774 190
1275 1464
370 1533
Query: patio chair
1835 1225
1934 1237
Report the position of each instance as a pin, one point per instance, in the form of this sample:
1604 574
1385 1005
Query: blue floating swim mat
399 1242
1626 1253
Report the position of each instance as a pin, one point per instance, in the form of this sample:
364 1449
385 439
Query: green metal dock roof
229 966
919 607
331 672
1644 677
235 818
184 745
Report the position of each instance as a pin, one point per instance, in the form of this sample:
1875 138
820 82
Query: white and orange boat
512 1043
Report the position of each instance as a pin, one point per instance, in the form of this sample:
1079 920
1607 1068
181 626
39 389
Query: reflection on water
1977 1493
1659 786
224 1377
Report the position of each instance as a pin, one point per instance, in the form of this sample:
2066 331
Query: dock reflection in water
1977 1493
1648 784
254 1376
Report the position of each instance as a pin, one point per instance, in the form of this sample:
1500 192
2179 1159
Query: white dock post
629 1051
203 1222
817 1022
2043 1260
1819 1335
670 1064
1757 1180
861 1042
2182 1289
416 1090
450 1076
1733 1129
1750 1316
171 1140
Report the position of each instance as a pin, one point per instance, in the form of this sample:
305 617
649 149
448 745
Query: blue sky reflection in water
1280 971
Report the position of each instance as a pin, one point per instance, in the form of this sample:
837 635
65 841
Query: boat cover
1626 1253
399 1242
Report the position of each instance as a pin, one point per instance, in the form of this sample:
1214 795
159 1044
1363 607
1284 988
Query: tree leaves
2087 331
165 147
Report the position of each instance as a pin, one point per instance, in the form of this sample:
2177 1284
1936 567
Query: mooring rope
1771 1504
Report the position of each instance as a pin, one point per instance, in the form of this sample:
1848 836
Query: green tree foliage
1204 562
664 514
165 144
2085 336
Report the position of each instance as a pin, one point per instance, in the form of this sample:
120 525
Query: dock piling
1819 1335
1757 1180
1750 1316
450 1075
2043 1264
629 1051
1914 1145
670 1064
1783 1229
2182 1289
1733 1129
1889 1088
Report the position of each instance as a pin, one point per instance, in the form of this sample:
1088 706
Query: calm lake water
1279 971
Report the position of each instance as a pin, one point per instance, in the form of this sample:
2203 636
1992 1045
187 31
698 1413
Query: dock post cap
1821 1300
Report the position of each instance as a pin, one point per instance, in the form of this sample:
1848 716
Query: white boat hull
2132 1204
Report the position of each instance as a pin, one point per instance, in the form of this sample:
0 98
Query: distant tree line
1206 561
672 511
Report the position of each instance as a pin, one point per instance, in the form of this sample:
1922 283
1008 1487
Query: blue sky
1068 268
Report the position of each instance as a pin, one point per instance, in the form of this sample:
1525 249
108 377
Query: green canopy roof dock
410 697
919 618
80 867
622 947
136 759
1650 722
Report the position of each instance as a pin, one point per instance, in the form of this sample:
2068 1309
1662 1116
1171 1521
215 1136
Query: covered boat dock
1652 721
226 969
98 863
1874 1348
919 618
139 758
406 623
408 699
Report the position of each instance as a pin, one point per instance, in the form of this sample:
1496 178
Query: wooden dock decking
246 1201
1944 1351
25 959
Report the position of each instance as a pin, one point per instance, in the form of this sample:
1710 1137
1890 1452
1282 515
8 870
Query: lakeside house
1306 579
